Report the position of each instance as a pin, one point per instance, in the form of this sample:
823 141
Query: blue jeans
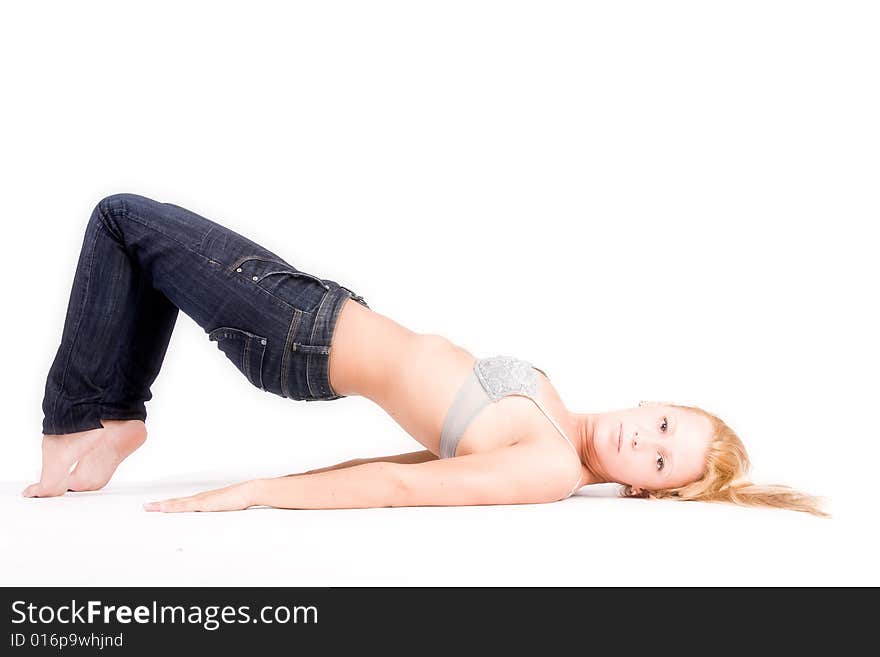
142 261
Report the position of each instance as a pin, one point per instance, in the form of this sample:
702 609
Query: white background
671 201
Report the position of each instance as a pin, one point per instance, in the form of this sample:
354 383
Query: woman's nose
639 442
645 441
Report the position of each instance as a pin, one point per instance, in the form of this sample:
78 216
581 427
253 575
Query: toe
42 490
35 490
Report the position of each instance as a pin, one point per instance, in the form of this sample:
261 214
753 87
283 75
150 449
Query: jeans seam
134 218
332 329
312 341
285 356
131 217
255 256
249 284
246 359
204 238
260 366
76 330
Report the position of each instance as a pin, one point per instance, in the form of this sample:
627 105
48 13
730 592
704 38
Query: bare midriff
414 377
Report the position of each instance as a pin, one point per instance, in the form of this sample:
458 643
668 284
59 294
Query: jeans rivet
262 342
255 278
239 269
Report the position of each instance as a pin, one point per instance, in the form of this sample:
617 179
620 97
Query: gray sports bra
490 380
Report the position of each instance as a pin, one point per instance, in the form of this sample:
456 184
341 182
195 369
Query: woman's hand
231 498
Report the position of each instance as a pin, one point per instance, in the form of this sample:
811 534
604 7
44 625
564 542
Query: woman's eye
660 461
664 426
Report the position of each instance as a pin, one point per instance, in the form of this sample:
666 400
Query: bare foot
97 453
60 452
120 438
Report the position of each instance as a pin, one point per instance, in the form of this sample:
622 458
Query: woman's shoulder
552 474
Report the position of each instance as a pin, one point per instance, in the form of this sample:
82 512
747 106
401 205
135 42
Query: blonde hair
724 478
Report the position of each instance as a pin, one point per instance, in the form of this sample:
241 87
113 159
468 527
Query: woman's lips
619 436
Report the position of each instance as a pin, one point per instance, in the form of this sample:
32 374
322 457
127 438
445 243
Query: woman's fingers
174 505
231 498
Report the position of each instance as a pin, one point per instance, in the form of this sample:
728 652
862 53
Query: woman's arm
367 485
519 474
360 486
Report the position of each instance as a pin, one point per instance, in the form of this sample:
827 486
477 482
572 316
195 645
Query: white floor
105 539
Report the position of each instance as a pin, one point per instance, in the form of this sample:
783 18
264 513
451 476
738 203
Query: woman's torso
415 377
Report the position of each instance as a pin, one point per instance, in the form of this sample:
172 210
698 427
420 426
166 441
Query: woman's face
652 447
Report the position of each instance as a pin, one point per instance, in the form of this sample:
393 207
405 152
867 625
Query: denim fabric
141 261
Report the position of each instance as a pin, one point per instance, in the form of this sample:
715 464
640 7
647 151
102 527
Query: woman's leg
141 262
116 333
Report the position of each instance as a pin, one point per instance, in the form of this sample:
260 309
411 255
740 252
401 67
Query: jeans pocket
315 359
245 350
287 284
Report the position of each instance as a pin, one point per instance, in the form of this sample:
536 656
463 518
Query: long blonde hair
724 479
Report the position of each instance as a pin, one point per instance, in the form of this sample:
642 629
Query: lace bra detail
491 379
502 375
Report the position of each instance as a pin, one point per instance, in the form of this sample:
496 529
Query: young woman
495 430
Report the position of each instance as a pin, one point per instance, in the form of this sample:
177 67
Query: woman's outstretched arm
359 486
509 475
